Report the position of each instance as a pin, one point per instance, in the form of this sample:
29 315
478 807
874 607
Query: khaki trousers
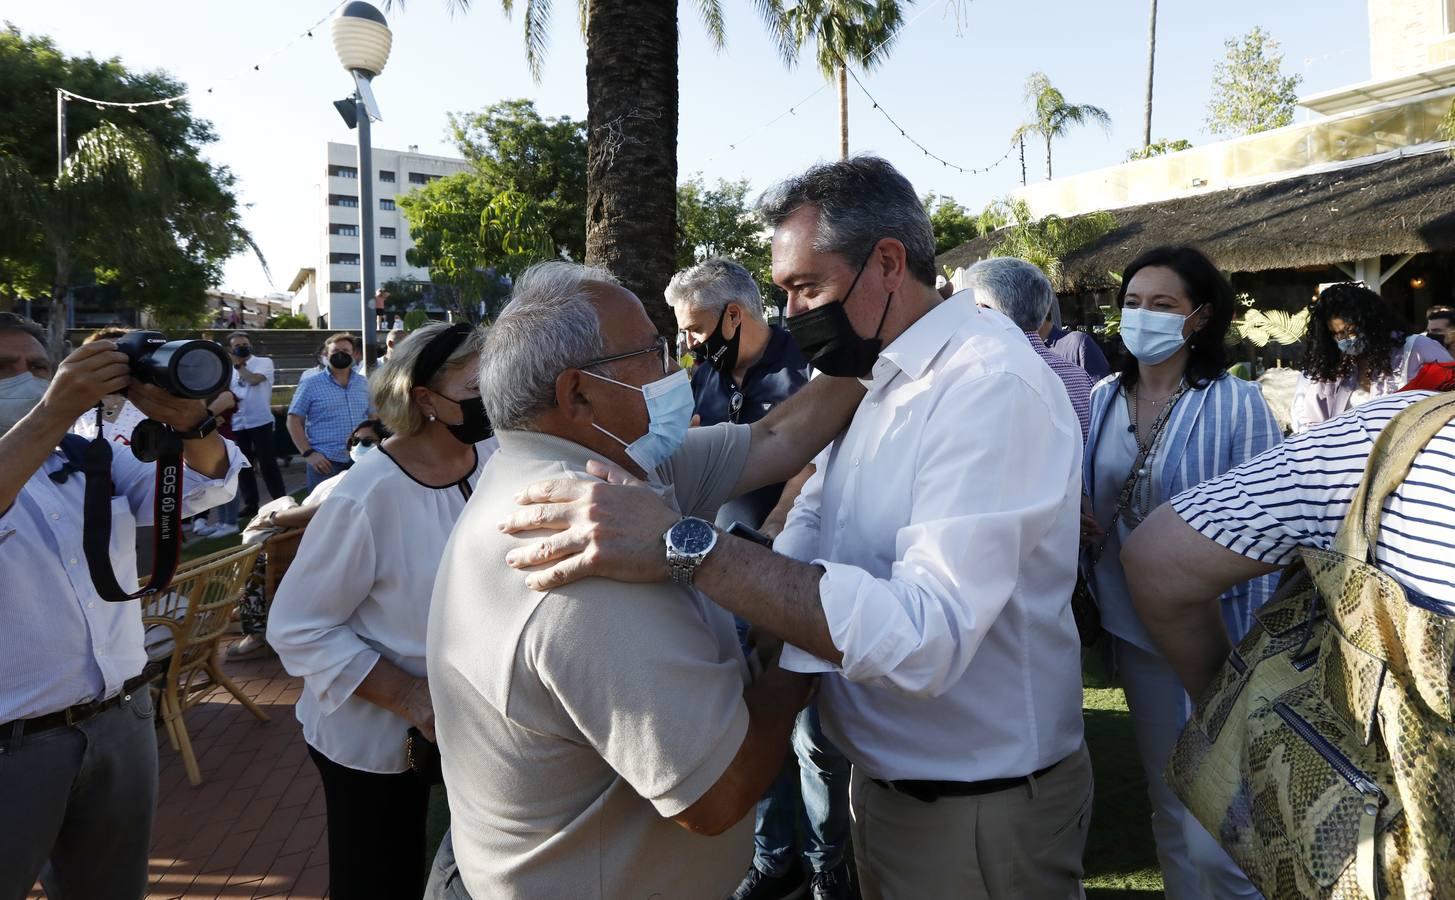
1023 842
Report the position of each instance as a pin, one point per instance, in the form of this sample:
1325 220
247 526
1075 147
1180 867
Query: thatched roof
1397 206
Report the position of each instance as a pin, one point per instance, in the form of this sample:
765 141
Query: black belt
75 715
930 791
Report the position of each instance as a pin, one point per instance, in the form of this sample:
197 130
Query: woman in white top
350 616
1356 350
1174 415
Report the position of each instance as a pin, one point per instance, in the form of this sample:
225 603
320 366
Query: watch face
692 536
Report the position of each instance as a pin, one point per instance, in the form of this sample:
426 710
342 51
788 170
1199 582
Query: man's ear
573 404
889 255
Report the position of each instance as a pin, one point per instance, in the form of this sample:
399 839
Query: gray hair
12 322
391 388
1013 287
860 201
550 325
714 283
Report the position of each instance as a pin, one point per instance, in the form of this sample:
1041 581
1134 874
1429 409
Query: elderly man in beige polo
604 740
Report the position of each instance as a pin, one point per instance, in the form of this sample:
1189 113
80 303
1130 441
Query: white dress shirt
60 643
358 590
254 401
946 521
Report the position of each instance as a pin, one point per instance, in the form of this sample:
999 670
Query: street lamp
362 39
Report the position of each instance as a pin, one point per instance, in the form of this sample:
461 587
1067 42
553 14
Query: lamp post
362 39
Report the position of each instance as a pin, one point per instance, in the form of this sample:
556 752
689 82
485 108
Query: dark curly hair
1207 359
1372 319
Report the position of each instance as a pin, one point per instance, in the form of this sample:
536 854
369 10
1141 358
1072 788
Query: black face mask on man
720 352
340 359
827 337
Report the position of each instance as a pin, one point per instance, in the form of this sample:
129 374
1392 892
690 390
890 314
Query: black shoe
833 884
758 886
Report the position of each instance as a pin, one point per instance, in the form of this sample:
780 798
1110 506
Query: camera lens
197 371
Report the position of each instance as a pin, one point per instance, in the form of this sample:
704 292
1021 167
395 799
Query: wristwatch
203 429
309 452
688 543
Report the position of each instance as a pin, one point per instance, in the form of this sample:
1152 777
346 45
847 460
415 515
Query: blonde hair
391 387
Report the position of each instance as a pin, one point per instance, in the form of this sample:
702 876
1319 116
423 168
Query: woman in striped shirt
1174 416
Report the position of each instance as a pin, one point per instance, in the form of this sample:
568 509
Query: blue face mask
1151 336
669 412
1351 346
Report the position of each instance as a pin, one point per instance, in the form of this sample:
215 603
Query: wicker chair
196 611
280 550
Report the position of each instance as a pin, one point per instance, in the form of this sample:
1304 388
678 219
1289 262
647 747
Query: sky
954 82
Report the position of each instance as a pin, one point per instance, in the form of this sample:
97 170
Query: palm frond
711 12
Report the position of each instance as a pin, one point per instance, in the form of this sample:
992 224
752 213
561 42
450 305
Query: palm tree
1151 68
1052 117
1045 243
843 32
631 122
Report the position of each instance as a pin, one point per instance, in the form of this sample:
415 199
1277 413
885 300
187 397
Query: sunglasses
362 442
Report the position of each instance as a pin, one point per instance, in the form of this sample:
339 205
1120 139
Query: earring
431 417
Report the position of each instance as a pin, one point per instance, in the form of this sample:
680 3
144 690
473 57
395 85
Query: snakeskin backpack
1322 757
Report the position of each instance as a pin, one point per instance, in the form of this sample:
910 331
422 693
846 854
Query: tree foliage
137 207
719 221
1046 242
952 223
1159 148
1250 92
1052 115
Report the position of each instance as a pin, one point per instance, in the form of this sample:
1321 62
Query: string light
133 105
963 170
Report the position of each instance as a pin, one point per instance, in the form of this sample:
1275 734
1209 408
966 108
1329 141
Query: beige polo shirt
574 723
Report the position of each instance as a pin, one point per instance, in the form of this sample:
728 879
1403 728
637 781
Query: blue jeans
315 479
821 777
227 512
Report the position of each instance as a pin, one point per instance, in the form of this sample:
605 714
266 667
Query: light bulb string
134 105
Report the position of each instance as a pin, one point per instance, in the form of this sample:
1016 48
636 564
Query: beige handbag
1323 755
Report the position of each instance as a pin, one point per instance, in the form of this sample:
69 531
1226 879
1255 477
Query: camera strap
166 514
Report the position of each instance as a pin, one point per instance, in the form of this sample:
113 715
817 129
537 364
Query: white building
332 299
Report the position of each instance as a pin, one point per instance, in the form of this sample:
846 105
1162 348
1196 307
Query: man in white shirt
252 424
942 537
78 750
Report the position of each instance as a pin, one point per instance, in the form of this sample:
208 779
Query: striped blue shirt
1297 495
331 412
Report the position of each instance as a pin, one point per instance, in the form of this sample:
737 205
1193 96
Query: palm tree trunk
843 110
1022 141
1151 69
631 147
1048 157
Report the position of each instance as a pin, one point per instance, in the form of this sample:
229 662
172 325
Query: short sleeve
646 682
265 369
1291 496
301 399
707 466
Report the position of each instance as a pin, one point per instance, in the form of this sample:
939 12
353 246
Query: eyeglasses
662 346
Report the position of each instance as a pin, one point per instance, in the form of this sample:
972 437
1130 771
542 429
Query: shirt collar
541 446
915 350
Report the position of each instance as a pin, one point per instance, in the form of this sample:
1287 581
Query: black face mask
827 337
719 352
242 352
475 426
340 359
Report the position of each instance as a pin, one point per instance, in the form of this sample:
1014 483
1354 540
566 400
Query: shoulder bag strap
1125 498
1389 462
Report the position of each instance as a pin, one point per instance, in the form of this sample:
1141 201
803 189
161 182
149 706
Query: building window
342 200
386 204
343 259
344 230
343 172
343 287
389 262
421 178
387 231
386 176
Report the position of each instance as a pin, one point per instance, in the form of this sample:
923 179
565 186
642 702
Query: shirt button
73 560
55 515
856 462
90 605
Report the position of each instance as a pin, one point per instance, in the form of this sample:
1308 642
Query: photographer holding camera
78 753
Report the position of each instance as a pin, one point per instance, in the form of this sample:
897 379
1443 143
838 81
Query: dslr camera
195 370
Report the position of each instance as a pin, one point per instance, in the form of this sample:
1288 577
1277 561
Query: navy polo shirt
781 371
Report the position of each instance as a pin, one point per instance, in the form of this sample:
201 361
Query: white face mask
359 451
19 394
1153 337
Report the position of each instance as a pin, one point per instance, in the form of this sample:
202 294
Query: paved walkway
255 826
